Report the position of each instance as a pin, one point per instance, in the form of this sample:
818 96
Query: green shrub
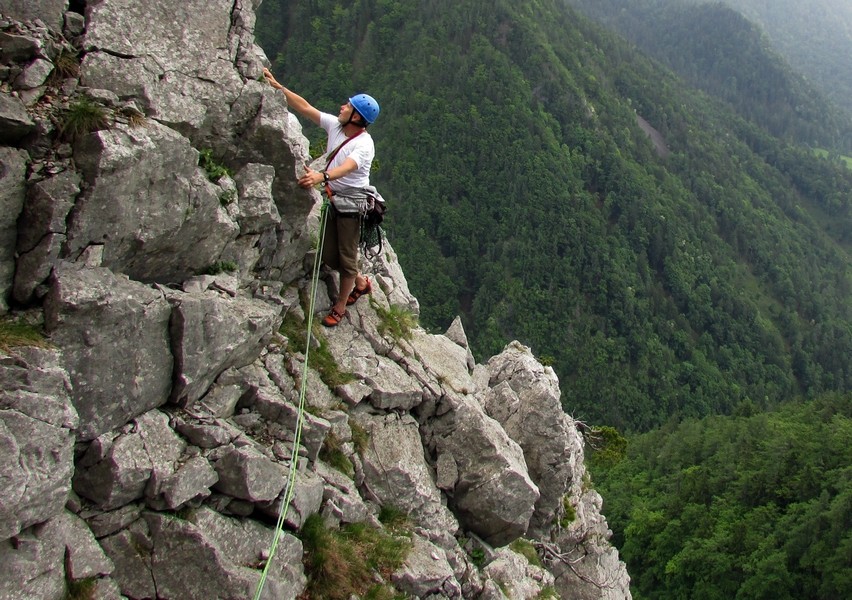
82 117
227 197
360 437
608 446
215 171
326 365
66 65
384 592
526 549
84 589
547 592
477 557
394 518
222 266
569 514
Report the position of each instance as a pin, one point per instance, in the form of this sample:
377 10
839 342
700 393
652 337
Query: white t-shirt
360 149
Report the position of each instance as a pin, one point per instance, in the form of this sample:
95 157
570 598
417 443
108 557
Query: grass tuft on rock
396 321
82 117
17 333
342 562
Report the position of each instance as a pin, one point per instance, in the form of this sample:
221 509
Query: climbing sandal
356 293
332 319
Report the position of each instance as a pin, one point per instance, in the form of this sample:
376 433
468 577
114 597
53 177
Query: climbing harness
294 457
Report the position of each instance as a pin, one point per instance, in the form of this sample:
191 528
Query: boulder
131 550
445 359
114 336
15 122
13 169
116 469
37 424
257 210
391 386
48 203
248 474
84 558
223 555
493 496
426 572
149 204
305 500
16 47
514 573
525 400
180 66
211 333
396 473
33 75
341 501
273 407
192 480
32 563
51 12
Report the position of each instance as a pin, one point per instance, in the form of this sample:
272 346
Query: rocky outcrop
152 228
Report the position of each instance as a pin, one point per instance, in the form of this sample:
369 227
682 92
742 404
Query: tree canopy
752 507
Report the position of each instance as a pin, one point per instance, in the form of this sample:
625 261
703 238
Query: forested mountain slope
815 36
716 48
525 197
752 506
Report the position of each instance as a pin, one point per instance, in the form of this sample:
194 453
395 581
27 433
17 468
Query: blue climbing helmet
366 106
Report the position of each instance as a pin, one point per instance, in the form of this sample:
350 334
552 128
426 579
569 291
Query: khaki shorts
340 247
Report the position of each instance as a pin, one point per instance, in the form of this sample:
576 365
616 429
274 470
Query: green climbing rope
291 479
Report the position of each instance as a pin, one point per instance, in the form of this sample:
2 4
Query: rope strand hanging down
291 478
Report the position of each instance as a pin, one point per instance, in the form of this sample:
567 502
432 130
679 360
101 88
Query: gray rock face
116 469
15 122
247 474
257 203
396 472
41 228
182 68
516 575
221 553
427 571
524 398
13 168
37 423
148 204
493 496
31 563
391 386
211 334
114 335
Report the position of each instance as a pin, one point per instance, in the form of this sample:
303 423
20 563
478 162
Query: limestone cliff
150 222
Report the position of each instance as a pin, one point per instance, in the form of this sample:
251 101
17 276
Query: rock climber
350 152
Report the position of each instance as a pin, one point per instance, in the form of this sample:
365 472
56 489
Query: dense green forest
525 197
718 50
754 506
